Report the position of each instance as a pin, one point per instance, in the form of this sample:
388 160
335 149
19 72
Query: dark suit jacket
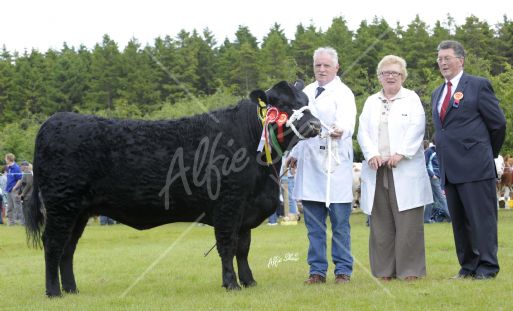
472 133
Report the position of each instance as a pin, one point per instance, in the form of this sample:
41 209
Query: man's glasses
446 59
394 74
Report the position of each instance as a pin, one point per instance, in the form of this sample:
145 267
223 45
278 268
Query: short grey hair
326 50
451 44
393 59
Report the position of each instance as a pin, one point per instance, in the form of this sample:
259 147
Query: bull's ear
258 96
299 84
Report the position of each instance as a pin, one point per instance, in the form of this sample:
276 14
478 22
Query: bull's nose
315 126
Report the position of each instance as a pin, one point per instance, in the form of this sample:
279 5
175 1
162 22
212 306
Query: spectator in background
3 194
25 190
291 214
395 184
106 221
436 211
14 210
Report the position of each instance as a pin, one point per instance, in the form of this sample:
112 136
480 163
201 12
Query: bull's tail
34 216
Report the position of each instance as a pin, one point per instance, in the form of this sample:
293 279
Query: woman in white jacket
395 183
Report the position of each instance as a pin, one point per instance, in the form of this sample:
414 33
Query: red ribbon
282 119
278 117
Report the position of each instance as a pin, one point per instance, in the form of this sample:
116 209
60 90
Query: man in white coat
324 169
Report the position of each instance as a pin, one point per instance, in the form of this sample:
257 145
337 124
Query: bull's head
287 113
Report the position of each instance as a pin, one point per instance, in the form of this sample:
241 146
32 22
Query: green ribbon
274 141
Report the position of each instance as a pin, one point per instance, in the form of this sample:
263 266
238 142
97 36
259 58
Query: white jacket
335 106
406 125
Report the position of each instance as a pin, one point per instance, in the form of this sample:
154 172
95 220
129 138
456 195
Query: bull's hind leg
245 274
66 265
55 237
226 248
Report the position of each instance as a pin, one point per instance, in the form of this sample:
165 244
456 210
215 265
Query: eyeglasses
394 74
446 59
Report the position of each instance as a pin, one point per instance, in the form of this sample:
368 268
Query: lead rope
331 155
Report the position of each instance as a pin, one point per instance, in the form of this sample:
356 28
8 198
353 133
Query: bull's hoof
249 284
70 290
231 287
53 294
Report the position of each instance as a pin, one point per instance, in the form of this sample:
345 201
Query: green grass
109 260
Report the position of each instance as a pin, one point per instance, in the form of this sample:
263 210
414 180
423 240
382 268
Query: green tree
207 63
478 39
439 34
244 36
138 84
502 86
105 76
186 67
305 42
419 52
68 77
504 40
372 42
164 55
31 88
276 59
247 69
339 37
6 85
228 60
239 62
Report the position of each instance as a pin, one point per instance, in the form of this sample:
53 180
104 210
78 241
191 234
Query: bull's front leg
226 243
243 244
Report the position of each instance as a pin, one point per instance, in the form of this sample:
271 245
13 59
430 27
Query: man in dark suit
470 130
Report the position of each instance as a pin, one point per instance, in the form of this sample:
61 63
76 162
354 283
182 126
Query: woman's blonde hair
390 60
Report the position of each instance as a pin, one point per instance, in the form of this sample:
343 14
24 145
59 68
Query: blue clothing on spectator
292 201
432 162
13 175
104 220
438 210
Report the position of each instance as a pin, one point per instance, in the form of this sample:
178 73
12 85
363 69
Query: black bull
144 174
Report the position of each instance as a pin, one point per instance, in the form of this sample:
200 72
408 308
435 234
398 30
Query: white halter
296 115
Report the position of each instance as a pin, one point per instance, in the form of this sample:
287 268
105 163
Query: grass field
119 268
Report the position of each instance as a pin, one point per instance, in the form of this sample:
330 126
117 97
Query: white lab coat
406 125
335 106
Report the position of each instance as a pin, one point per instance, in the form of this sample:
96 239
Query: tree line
161 80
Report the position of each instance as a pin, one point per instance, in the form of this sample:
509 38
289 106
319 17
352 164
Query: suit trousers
473 208
396 240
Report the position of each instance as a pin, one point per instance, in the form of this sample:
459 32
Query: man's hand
396 158
336 132
291 163
376 162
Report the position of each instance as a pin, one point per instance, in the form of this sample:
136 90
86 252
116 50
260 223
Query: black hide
204 168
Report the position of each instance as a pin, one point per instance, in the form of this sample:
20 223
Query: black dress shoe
461 276
485 276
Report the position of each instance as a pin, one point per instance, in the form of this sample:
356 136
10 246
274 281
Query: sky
45 24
